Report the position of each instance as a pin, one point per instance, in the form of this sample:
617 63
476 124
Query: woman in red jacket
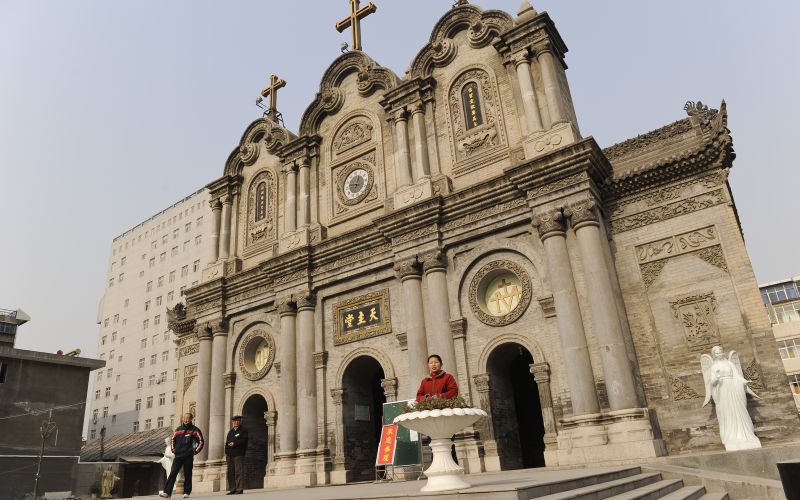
439 384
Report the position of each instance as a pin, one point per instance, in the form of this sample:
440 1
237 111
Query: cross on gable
275 83
354 21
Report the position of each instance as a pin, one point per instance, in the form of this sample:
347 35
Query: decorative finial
526 11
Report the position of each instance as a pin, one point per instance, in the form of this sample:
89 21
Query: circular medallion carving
354 183
256 354
500 292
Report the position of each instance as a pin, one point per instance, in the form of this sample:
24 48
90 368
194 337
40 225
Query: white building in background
782 299
149 267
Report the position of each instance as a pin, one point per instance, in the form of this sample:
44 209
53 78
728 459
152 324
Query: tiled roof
145 443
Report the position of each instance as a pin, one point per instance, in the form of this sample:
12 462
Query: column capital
416 108
271 417
229 379
543 46
519 58
303 162
399 115
481 382
287 307
205 332
389 386
226 199
540 372
320 359
337 393
436 260
306 301
290 168
458 328
550 223
215 204
583 213
408 268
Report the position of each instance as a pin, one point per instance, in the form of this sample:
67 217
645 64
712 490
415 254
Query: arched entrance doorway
255 460
516 411
362 415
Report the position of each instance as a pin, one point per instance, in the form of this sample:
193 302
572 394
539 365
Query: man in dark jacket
187 441
235 449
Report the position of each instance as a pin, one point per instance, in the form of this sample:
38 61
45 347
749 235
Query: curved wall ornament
256 354
485 276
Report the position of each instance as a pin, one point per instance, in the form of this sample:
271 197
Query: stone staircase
622 484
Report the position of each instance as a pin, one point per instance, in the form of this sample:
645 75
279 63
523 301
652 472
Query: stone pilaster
290 222
532 118
552 88
619 377
421 157
458 330
491 460
401 155
216 425
229 380
203 383
306 380
541 375
408 271
225 232
287 421
304 201
580 378
389 386
272 420
437 310
339 475
213 238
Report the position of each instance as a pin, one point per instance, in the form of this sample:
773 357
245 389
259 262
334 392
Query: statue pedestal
443 474
543 142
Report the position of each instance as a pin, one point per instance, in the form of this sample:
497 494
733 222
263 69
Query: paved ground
484 483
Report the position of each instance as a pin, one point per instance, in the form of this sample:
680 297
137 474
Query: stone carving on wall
500 292
696 314
668 193
353 134
261 209
481 140
189 374
548 306
703 243
188 350
752 372
484 213
665 212
256 354
682 391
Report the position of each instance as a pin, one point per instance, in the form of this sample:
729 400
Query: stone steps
692 492
606 489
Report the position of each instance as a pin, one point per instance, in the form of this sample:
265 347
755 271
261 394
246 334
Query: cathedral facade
459 210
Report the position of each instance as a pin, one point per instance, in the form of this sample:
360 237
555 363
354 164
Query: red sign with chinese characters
387 445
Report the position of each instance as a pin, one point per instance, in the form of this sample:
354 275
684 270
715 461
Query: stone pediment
246 153
370 77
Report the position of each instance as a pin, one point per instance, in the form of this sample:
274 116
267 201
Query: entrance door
516 410
362 416
255 459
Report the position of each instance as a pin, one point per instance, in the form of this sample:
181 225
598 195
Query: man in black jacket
235 449
187 441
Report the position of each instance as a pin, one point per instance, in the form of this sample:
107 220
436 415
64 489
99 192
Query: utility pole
47 427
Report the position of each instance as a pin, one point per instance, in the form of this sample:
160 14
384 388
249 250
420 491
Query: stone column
304 206
216 424
291 201
203 384
225 233
306 381
421 157
409 274
437 311
541 375
580 378
389 386
552 87
619 377
402 160
287 422
272 419
213 239
485 426
523 68
230 382
337 395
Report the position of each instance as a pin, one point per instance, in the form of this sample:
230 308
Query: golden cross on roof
275 83
354 21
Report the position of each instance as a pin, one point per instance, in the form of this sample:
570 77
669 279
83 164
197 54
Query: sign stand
405 448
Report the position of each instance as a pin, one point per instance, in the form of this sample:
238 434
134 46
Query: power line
33 413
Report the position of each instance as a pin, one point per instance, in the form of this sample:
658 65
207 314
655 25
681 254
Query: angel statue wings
725 383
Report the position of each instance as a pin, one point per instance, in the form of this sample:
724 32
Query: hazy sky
112 110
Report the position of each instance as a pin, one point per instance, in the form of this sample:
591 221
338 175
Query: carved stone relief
256 354
481 140
696 316
500 292
702 243
261 225
351 135
682 391
669 211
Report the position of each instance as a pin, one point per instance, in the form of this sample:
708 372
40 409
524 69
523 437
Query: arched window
470 97
261 201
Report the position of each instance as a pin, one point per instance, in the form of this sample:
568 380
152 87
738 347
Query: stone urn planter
440 425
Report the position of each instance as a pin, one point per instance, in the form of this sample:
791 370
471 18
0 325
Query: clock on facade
355 184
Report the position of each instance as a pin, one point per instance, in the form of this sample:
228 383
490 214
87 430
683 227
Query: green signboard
409 449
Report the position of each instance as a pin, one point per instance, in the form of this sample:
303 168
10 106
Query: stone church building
460 210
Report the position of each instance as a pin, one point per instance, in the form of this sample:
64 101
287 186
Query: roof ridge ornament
354 21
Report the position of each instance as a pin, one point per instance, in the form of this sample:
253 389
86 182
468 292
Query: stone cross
275 83
354 21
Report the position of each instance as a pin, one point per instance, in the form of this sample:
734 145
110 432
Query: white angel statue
167 459
725 383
